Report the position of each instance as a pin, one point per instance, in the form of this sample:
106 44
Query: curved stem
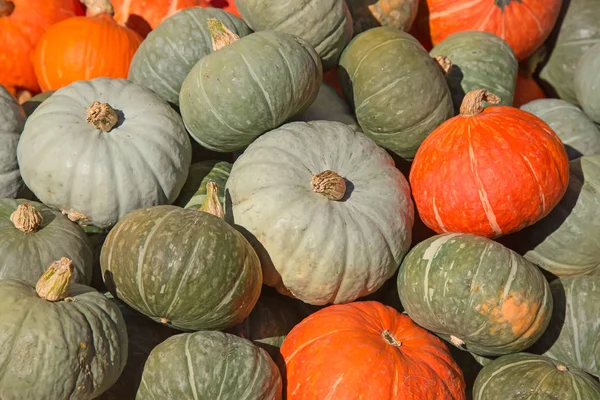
211 203
472 103
54 283
220 35
444 63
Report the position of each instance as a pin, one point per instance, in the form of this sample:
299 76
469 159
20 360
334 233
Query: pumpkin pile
302 200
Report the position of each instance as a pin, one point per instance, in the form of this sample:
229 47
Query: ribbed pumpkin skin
522 376
506 168
12 121
72 166
209 365
326 24
587 83
65 350
375 70
328 106
480 60
169 52
267 77
577 132
367 14
184 268
313 248
25 256
523 24
330 354
476 290
193 192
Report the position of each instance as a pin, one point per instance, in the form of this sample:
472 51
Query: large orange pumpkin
523 24
22 23
488 172
366 350
84 48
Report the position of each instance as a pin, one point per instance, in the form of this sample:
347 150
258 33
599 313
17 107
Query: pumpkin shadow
366 20
121 116
138 24
349 190
572 153
559 315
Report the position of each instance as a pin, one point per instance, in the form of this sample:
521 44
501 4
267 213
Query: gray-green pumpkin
133 153
480 60
33 236
587 83
475 293
577 132
328 106
398 92
167 55
325 24
209 365
253 85
33 103
12 121
193 193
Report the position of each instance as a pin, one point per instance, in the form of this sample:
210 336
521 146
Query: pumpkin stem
54 283
26 218
6 8
211 203
472 103
456 341
390 339
102 116
98 7
329 184
220 35
562 368
444 63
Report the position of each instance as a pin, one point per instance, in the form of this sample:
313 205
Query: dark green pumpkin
30 105
209 365
194 191
587 83
480 60
475 293
527 376
397 90
182 267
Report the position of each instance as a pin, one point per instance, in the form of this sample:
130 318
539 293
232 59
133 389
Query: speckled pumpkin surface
12 121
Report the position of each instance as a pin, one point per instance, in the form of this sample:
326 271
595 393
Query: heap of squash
300 199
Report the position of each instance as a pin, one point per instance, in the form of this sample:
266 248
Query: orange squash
527 90
22 23
84 48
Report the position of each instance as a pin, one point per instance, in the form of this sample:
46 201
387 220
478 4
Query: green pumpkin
328 106
33 103
527 376
475 293
587 83
167 55
578 32
133 153
577 132
398 92
58 347
34 236
209 365
326 24
397 14
480 60
266 77
193 193
327 211
12 120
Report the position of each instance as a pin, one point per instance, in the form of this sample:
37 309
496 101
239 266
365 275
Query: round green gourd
577 132
33 236
325 24
247 88
33 103
328 106
167 55
475 293
12 121
480 60
193 193
587 83
214 365
98 172
527 376
398 92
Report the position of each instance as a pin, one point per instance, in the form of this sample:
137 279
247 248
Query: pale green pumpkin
587 83
12 121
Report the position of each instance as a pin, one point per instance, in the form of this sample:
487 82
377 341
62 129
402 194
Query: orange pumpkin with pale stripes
488 172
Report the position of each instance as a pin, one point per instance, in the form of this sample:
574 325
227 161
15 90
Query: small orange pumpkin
84 48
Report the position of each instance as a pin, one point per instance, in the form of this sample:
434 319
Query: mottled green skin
33 103
167 55
186 266
565 242
367 14
12 121
526 376
325 24
577 132
25 256
480 60
328 106
194 191
578 32
587 83
209 365
71 349
476 290
397 90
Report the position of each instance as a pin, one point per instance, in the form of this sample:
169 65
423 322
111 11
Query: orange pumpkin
83 48
369 351
332 79
488 172
527 90
22 23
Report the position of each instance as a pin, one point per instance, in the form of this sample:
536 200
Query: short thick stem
6 8
329 184
102 116
472 103
390 339
98 7
26 218
456 341
221 36
54 283
444 63
212 204
562 368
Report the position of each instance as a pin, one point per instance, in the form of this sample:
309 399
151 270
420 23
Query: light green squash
587 83
12 121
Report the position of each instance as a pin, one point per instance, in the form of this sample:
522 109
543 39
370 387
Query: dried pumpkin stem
390 339
220 35
562 368
26 218
472 104
102 116
211 203
98 7
329 184
6 8
444 63
54 283
456 341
